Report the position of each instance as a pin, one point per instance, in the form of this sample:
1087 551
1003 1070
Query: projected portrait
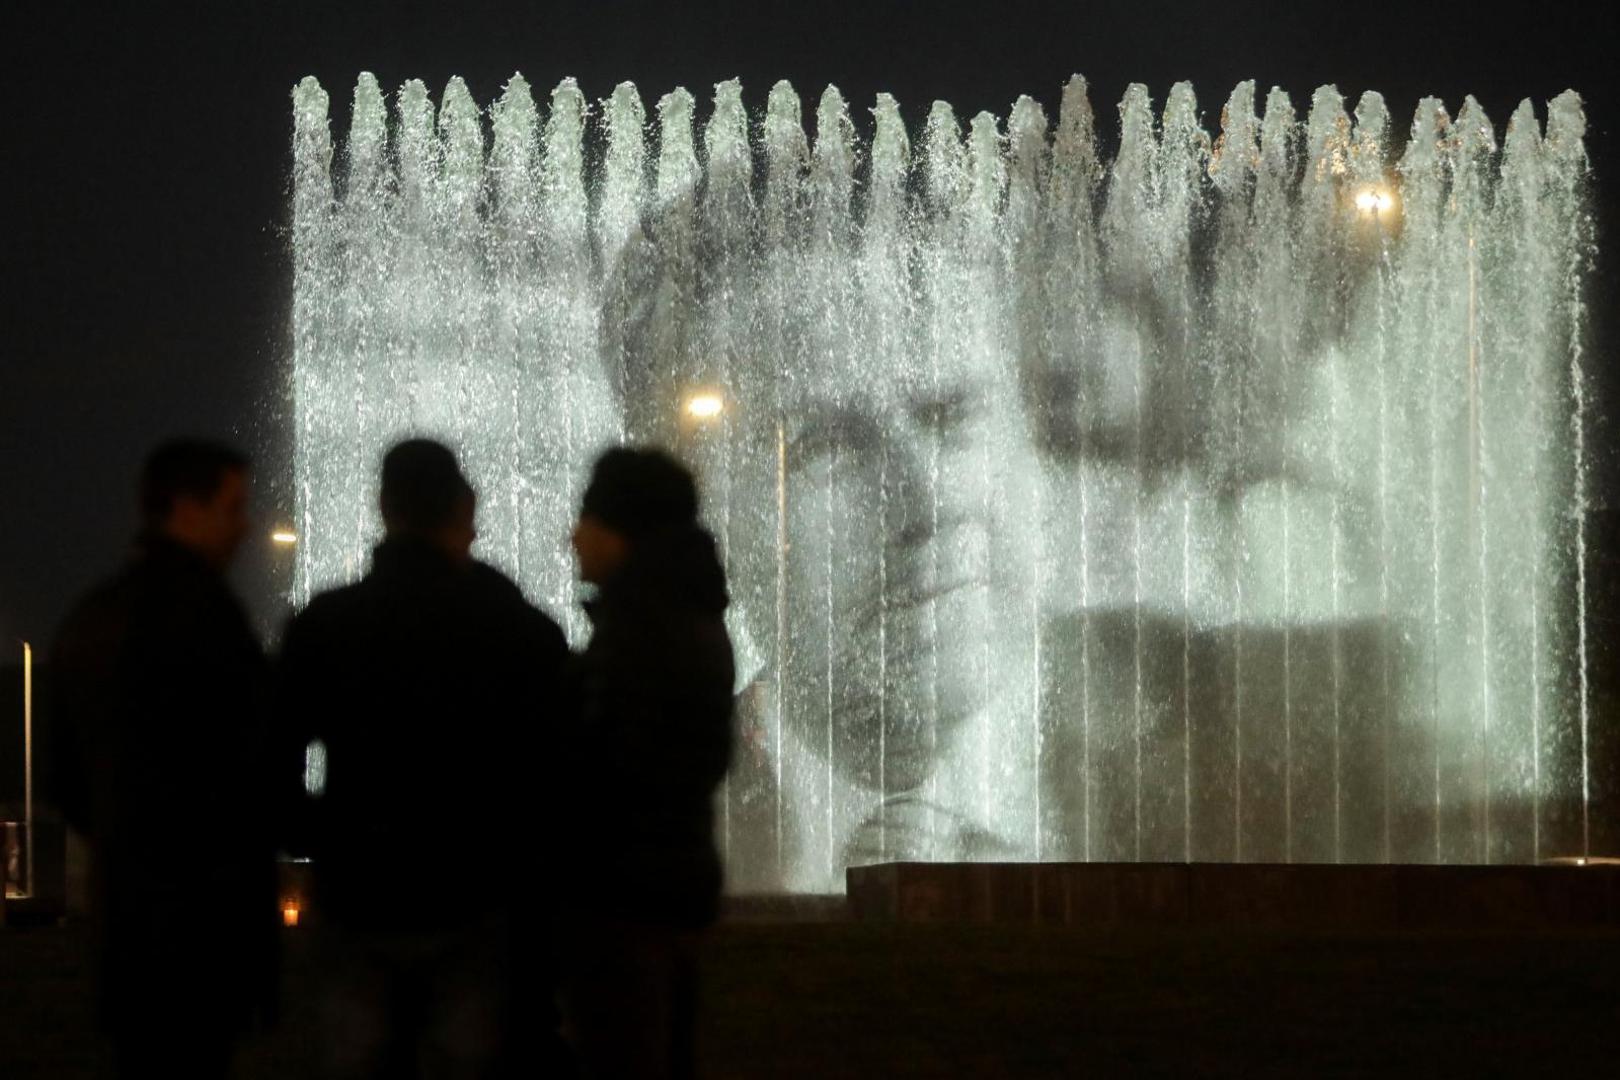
1195 502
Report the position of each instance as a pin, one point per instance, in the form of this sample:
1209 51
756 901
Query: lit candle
289 913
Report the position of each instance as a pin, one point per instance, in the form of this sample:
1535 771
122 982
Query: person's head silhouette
425 495
633 493
195 493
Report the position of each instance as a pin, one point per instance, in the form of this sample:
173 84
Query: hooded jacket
655 686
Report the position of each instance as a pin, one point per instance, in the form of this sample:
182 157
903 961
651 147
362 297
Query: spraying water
1221 499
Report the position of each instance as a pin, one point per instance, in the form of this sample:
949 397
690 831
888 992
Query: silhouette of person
654 742
162 687
432 684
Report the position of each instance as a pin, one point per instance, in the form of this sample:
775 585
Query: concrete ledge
1236 894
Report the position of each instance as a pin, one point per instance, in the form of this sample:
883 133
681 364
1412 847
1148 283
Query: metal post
28 761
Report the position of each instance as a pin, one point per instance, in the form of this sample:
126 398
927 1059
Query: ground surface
854 1000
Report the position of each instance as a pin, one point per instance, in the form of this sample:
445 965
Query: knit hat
637 491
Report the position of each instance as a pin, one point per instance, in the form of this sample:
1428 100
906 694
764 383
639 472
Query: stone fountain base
1232 894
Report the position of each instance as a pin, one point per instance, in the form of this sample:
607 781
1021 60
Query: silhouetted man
431 684
654 743
161 689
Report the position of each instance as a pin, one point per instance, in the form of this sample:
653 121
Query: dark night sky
146 155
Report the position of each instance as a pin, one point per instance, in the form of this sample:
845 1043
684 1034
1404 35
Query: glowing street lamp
284 538
28 762
1374 200
704 406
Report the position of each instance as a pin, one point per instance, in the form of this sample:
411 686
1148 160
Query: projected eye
947 417
826 433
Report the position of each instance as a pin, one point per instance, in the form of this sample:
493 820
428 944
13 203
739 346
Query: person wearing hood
652 746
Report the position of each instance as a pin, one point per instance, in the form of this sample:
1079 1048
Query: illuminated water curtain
1220 499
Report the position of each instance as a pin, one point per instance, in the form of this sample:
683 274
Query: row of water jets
1222 499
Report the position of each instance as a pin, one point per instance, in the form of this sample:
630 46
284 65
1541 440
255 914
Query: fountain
1221 500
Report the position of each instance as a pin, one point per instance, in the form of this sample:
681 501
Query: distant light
704 406
285 537
315 768
1582 860
289 913
1374 200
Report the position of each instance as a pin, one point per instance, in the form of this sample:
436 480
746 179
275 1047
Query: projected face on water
1169 506
906 555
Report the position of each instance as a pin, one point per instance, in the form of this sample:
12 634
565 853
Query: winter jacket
654 741
159 714
434 688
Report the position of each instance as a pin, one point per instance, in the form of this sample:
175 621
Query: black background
147 155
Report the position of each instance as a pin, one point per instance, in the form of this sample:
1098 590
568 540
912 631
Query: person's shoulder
99 612
491 586
336 598
109 592
168 588
331 605
319 627
495 588
492 581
